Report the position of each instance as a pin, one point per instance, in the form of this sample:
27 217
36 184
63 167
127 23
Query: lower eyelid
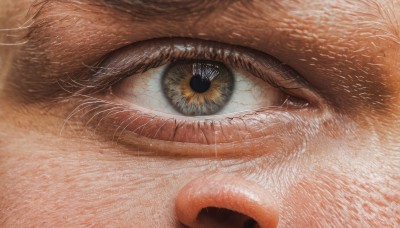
164 134
220 129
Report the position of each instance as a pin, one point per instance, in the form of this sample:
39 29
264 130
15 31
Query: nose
225 200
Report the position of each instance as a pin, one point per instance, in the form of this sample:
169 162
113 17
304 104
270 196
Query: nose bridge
226 192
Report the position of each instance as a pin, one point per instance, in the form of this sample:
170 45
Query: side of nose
225 200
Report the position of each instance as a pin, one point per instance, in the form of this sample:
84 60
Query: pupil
199 84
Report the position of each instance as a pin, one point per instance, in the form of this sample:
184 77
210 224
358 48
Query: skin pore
73 154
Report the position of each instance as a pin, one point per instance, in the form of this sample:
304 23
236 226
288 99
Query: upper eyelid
139 57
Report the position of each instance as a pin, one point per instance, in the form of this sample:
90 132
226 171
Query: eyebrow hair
145 9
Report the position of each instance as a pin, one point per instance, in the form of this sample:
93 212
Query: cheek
77 182
76 185
333 199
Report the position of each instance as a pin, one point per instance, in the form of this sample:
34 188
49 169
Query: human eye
195 87
186 92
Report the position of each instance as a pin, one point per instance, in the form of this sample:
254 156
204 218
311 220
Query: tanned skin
68 157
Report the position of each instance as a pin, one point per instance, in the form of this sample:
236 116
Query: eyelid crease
142 56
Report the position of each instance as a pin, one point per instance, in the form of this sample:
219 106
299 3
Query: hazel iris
197 87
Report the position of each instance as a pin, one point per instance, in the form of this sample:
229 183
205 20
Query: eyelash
98 110
135 59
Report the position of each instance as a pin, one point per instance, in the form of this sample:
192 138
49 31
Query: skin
338 165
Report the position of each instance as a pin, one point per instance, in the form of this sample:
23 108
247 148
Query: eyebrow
169 9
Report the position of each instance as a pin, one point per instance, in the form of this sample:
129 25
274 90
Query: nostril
251 223
225 200
221 217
